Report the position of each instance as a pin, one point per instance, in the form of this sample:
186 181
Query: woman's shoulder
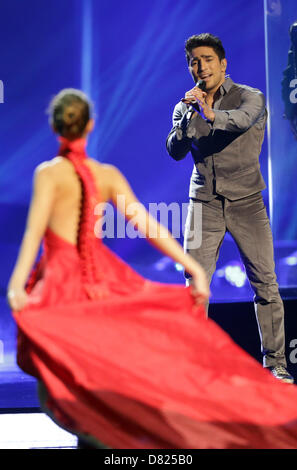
104 169
48 166
53 169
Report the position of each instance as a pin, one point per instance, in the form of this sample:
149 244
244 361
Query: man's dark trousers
247 221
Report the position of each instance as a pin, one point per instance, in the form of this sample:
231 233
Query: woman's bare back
65 213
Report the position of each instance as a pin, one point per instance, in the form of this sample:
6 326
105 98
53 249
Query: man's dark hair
205 39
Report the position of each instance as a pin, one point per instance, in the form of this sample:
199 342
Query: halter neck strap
73 148
75 151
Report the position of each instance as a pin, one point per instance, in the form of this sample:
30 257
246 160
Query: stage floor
33 431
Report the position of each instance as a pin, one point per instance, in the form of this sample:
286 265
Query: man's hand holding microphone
196 98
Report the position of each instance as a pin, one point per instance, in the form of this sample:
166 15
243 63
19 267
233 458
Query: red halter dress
133 363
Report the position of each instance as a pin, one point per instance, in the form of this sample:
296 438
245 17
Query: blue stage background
282 142
129 57
281 79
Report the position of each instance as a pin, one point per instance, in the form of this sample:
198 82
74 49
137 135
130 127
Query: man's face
205 65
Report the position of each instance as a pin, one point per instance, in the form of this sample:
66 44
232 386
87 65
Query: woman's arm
156 233
37 220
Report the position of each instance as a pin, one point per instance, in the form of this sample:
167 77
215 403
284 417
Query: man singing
223 125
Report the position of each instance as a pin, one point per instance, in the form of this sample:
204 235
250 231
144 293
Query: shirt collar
226 85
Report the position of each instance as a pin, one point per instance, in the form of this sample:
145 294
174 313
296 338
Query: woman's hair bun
71 114
70 111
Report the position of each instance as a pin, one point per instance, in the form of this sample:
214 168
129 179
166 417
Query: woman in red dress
126 361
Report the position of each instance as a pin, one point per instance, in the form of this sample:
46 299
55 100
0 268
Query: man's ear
191 72
223 65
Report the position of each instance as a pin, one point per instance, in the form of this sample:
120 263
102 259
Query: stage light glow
220 273
235 275
178 267
291 260
163 263
166 263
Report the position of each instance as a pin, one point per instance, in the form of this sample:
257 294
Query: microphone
201 84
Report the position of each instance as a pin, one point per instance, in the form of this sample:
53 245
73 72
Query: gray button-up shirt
225 152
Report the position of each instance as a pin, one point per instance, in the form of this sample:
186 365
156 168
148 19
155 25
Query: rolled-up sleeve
251 109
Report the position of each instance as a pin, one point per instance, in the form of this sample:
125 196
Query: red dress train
134 363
